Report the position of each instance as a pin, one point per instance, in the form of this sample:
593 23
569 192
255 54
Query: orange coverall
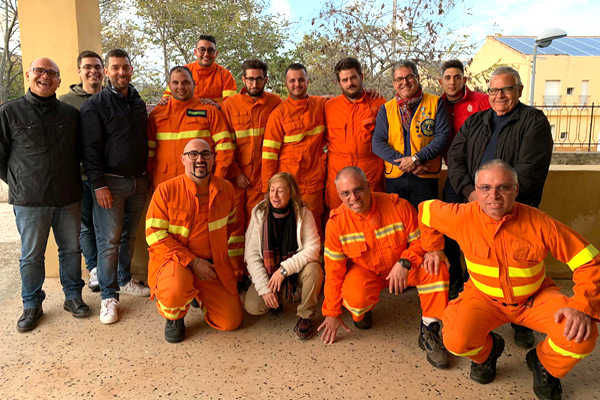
171 126
361 249
294 142
214 82
247 117
508 281
182 225
350 128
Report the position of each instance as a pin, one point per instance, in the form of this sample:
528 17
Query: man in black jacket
114 158
513 132
39 159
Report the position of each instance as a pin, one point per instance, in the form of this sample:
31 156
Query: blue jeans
118 225
34 225
413 188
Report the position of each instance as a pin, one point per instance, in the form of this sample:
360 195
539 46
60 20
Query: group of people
246 187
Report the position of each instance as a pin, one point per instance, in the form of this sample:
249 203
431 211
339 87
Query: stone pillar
60 30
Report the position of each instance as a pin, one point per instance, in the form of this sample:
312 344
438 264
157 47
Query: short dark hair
453 64
181 68
118 53
88 54
254 64
209 38
295 67
346 64
405 64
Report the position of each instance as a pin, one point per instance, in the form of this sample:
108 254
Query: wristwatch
283 271
405 263
415 160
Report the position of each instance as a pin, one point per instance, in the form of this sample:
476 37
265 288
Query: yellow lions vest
421 134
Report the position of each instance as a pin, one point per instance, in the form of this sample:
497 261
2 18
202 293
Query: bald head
196 144
354 172
353 188
43 77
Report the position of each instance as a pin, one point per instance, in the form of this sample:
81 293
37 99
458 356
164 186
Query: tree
11 69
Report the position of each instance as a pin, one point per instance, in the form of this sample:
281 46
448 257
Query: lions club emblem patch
427 127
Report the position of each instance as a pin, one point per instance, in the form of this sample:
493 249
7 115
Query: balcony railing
574 128
552 100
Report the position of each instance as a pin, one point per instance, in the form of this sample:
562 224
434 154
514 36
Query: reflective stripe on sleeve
218 224
221 135
224 146
267 155
156 223
179 230
156 236
389 229
296 138
426 218
235 239
250 132
227 93
182 135
235 252
414 235
352 237
334 255
583 257
271 143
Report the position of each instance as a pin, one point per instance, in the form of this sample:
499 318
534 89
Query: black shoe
366 322
174 330
77 307
486 372
430 340
29 319
545 386
523 336
305 328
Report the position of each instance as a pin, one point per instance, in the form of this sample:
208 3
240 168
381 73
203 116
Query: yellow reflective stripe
232 217
235 252
526 290
221 135
156 236
267 155
227 93
300 136
426 217
156 223
564 352
440 286
468 353
179 230
235 239
357 311
151 153
251 132
152 144
389 229
414 235
173 312
485 270
489 290
182 135
272 143
352 237
515 272
218 224
583 257
334 255
224 146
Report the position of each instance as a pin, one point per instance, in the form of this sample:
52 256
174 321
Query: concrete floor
66 358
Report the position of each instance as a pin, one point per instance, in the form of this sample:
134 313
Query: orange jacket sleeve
162 244
436 219
335 271
224 146
236 240
229 85
272 143
226 108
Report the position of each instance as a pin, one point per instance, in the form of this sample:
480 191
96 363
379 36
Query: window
552 93
570 91
584 97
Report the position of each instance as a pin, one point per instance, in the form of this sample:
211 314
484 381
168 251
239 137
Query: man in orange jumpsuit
247 114
214 83
505 244
372 241
350 120
189 228
172 125
295 139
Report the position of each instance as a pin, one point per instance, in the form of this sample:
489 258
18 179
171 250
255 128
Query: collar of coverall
192 188
260 99
512 214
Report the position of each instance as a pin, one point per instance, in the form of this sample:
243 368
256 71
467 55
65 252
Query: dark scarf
407 107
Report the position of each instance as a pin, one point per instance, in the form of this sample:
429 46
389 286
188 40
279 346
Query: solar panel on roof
572 46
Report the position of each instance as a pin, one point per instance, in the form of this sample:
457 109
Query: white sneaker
135 288
109 311
93 283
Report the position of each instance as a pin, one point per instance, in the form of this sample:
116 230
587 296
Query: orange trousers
361 290
314 202
469 319
246 199
177 286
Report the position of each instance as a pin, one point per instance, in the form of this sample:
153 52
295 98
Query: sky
479 19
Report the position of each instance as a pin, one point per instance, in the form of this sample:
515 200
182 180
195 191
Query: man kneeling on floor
192 252
505 244
372 241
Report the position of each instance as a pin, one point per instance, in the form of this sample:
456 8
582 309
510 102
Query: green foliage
11 68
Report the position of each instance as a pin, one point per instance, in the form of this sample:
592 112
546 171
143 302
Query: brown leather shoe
305 329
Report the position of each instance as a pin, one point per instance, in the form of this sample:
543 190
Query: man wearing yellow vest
411 131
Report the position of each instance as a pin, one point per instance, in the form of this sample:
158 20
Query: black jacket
40 151
115 139
525 143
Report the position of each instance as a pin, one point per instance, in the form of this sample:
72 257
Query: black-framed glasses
41 71
504 90
209 50
193 155
406 78
258 79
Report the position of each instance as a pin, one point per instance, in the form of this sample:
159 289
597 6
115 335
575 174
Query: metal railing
574 128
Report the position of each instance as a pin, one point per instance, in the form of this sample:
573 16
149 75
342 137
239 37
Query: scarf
407 108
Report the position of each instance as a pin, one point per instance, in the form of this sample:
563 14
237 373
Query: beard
353 95
200 170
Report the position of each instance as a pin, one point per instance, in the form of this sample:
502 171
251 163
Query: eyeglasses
258 79
210 50
89 67
504 189
406 78
504 90
41 71
193 155
356 192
